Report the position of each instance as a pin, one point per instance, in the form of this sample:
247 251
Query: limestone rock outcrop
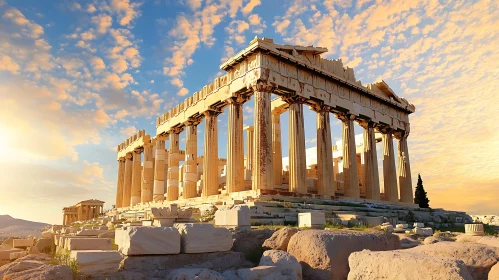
194 273
35 267
280 239
324 254
287 264
400 264
204 238
494 272
478 258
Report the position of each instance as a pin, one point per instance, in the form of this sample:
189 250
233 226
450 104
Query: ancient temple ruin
300 77
82 211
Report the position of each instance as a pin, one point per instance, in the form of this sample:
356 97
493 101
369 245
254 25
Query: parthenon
300 77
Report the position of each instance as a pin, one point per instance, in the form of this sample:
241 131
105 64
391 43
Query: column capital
320 108
175 130
345 116
401 134
366 123
261 86
121 159
212 113
193 121
385 129
129 156
239 99
294 99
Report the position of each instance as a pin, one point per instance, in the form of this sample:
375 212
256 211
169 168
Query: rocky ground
289 253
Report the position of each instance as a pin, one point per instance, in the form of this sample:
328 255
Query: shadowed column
121 180
371 175
389 172
325 180
297 157
277 147
210 164
159 171
262 158
127 184
148 175
136 178
350 169
249 147
190 165
235 146
405 180
173 170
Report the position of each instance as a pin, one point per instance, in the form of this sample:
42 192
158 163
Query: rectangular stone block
90 232
96 263
311 220
148 241
204 238
10 254
146 223
89 244
237 216
18 243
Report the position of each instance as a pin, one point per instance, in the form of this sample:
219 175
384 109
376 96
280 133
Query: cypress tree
420 196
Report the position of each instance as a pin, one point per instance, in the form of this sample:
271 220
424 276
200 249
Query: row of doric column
264 156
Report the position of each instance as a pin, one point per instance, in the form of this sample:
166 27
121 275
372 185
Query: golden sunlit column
277 147
121 180
159 171
405 180
249 147
210 160
173 169
389 172
325 180
136 178
235 146
127 184
191 155
262 139
148 175
297 157
371 175
350 168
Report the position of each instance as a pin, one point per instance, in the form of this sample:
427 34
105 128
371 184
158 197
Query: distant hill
19 228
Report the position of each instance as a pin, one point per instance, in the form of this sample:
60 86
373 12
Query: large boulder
323 254
280 239
494 272
400 264
194 273
250 243
287 264
478 258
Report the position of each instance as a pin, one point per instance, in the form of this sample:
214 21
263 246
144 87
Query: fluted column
262 158
371 175
389 172
121 181
173 169
325 180
210 163
136 178
249 147
148 175
277 148
297 157
159 171
127 184
190 164
235 146
405 180
350 168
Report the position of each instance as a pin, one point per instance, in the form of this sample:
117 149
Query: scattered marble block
96 262
90 232
403 226
89 244
11 254
148 241
474 229
237 216
20 243
423 231
147 223
420 225
204 238
399 230
311 220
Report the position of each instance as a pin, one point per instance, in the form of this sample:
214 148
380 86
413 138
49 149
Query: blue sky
78 77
